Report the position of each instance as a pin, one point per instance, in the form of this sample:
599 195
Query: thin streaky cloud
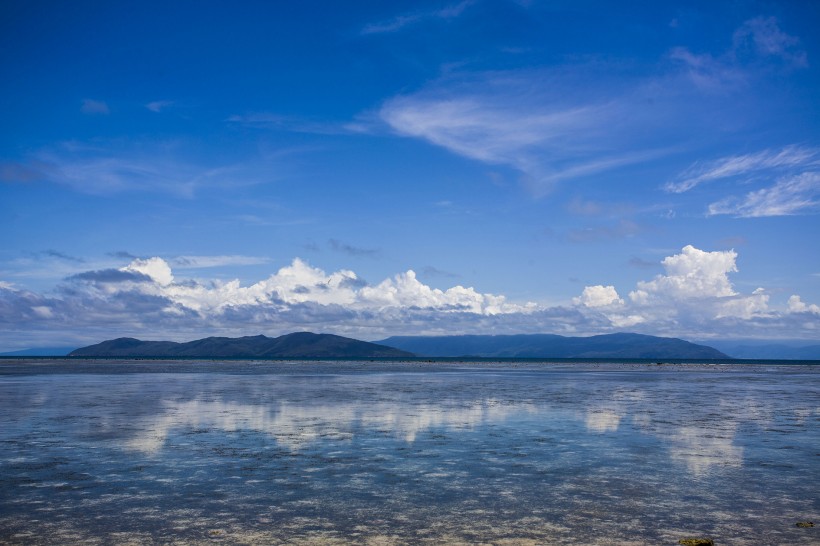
92 107
159 105
521 119
201 262
789 157
758 41
764 36
62 255
401 21
351 250
112 167
788 197
277 122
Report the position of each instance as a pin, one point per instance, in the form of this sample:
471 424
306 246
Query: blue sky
175 170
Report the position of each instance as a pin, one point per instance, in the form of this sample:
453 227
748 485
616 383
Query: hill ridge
294 345
616 345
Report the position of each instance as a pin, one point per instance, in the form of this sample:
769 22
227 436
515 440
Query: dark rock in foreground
297 345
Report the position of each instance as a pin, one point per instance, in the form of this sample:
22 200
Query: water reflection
295 426
702 448
470 456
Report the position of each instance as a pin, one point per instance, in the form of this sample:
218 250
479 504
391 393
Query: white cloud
115 166
790 157
691 274
159 105
534 121
695 291
792 195
707 73
598 296
300 283
797 306
693 298
155 268
92 107
758 44
200 262
401 21
763 37
575 121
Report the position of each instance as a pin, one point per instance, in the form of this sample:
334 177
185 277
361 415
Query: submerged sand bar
250 452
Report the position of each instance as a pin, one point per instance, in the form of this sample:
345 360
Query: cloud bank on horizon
694 297
475 166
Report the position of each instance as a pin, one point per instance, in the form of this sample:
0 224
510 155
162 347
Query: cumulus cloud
697 284
292 286
694 294
691 274
796 305
598 296
154 268
693 297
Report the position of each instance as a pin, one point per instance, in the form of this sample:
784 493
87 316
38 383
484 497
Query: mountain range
553 346
296 345
310 345
532 346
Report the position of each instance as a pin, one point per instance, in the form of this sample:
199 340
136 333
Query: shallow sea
142 452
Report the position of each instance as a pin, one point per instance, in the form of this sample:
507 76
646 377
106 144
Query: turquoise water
407 453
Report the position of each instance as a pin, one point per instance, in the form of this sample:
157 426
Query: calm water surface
383 453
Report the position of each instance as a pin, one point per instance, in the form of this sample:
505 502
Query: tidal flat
243 452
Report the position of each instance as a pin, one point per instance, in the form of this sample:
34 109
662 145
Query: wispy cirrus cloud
351 250
402 21
758 44
788 158
202 262
529 120
279 122
92 107
116 166
61 255
762 36
580 120
794 169
158 106
799 194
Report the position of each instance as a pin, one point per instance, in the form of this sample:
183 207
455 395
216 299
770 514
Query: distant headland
310 345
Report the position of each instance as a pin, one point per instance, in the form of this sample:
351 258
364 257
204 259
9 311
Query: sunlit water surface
382 453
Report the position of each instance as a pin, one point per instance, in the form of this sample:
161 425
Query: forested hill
296 345
553 346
